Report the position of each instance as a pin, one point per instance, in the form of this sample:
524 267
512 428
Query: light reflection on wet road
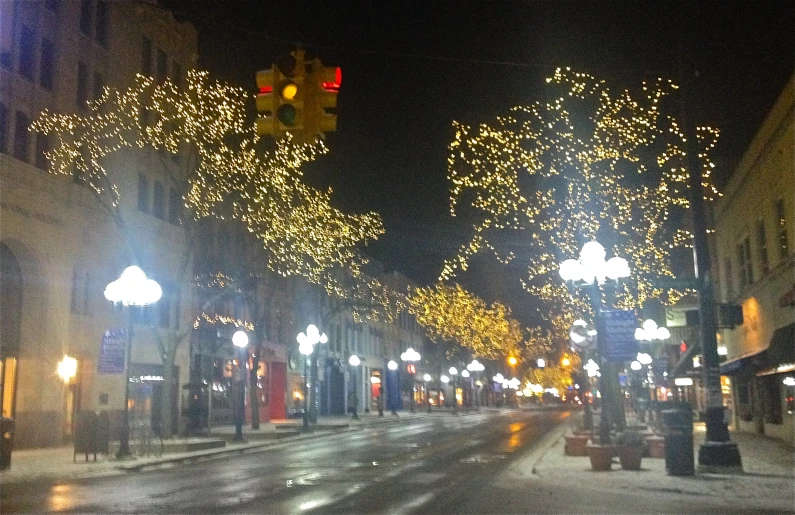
417 466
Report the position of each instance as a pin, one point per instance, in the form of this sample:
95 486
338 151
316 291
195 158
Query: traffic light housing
281 96
298 97
324 86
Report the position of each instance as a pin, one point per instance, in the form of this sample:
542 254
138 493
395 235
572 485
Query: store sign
111 352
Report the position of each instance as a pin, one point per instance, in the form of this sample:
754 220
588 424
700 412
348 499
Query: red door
278 383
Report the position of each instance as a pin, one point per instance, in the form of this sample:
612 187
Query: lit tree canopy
450 313
593 162
225 175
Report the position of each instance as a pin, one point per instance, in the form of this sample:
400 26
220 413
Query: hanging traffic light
280 100
324 86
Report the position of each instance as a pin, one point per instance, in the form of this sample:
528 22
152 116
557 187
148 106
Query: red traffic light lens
334 86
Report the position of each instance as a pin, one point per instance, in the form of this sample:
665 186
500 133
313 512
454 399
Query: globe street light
354 362
131 289
306 346
411 356
240 340
591 270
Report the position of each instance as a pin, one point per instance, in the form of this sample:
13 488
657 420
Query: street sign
673 283
618 328
111 352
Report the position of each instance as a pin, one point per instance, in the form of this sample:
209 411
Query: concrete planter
656 445
601 456
630 456
576 445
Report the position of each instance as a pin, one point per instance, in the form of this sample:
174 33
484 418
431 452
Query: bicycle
148 441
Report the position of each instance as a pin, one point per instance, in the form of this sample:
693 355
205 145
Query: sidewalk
767 482
57 462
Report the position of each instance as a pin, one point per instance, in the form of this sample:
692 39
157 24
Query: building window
143 193
146 57
727 268
101 27
85 17
164 306
162 64
744 259
3 128
761 242
82 85
176 75
781 217
99 85
21 136
42 146
74 305
158 200
27 57
174 204
47 64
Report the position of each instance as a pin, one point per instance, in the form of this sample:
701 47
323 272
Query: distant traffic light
280 100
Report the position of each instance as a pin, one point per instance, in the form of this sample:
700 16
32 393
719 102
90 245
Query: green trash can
678 425
7 443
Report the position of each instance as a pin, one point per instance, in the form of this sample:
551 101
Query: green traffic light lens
286 115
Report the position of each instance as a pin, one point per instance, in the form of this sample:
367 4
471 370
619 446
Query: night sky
412 68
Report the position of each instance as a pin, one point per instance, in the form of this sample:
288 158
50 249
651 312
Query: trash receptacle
85 435
678 424
7 443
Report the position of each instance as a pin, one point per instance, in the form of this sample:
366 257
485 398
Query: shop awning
743 365
780 355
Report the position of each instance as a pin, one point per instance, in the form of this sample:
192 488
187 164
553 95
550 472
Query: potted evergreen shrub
631 447
600 455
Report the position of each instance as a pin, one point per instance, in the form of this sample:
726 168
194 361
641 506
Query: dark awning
747 364
782 347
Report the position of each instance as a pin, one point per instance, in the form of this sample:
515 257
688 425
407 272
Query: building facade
755 264
58 247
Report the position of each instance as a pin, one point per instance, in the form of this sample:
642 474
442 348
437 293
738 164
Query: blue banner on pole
618 331
111 352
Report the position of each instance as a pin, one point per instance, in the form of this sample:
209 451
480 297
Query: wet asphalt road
428 465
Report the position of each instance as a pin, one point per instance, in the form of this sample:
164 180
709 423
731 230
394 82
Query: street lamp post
240 340
411 356
306 346
476 367
427 378
591 270
583 337
132 288
392 366
354 362
454 372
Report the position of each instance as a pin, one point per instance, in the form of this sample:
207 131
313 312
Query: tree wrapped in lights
452 314
592 164
210 157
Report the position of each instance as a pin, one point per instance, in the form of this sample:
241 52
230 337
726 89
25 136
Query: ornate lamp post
427 378
591 271
132 288
306 346
393 366
240 340
411 356
476 368
454 372
354 362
